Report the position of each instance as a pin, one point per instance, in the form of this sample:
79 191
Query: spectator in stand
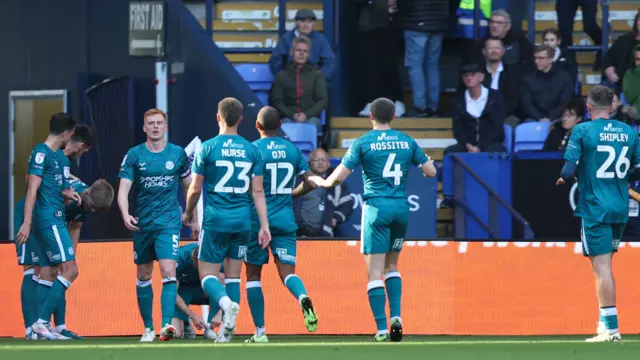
623 112
478 115
518 49
546 91
378 54
321 53
503 77
299 91
616 61
425 22
631 82
566 12
322 210
562 58
560 131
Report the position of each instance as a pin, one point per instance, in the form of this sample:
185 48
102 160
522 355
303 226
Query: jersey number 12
282 187
396 173
622 164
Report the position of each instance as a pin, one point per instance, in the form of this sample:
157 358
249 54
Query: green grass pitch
323 347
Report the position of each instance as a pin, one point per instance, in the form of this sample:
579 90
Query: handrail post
494 219
531 23
282 18
476 19
605 29
458 190
209 18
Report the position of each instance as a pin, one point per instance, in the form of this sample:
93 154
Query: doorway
29 114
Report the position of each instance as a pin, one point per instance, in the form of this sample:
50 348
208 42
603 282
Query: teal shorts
217 246
55 245
384 225
599 238
29 252
192 295
283 248
155 245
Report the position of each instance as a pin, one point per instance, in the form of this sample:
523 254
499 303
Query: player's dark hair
600 97
544 48
99 196
230 110
553 32
577 106
60 123
82 134
269 119
383 110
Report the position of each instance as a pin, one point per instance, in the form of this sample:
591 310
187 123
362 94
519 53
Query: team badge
169 165
39 158
71 252
66 171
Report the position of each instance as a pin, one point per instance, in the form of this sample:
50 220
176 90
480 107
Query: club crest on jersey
169 165
71 251
66 171
39 158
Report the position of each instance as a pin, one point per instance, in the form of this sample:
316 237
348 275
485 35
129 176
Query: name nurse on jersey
616 134
386 142
229 149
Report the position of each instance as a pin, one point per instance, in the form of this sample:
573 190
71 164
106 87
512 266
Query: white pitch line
66 346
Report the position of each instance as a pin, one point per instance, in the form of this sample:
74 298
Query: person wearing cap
478 115
321 53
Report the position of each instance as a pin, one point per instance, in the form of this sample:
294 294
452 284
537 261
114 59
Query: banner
485 288
422 196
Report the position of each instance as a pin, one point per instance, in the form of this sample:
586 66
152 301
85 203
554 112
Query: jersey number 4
622 164
396 173
243 176
281 188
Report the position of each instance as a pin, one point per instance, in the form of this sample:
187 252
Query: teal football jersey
73 211
605 151
282 162
186 271
227 162
385 156
54 169
156 179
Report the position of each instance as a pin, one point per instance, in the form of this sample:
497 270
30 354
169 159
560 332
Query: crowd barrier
480 288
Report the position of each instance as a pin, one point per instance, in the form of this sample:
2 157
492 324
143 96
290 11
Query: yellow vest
485 6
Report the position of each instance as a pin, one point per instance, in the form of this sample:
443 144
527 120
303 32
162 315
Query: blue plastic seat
531 135
303 135
259 79
508 137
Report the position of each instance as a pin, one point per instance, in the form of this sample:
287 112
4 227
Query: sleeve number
396 173
243 176
176 243
622 164
282 187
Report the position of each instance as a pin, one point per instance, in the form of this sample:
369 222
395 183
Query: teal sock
393 283
377 300
214 289
168 299
60 313
213 310
256 302
57 291
144 292
609 315
295 285
233 289
44 287
28 298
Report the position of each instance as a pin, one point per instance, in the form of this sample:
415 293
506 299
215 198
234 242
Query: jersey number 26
622 163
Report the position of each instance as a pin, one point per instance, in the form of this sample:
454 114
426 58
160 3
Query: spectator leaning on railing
632 81
299 91
616 61
560 131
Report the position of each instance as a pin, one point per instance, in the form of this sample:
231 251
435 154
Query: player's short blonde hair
600 97
155 111
100 195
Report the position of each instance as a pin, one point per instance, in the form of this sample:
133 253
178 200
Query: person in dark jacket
478 115
321 53
505 78
560 131
299 91
518 49
547 91
617 60
425 22
563 59
322 210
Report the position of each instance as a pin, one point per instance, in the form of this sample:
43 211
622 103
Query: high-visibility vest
485 6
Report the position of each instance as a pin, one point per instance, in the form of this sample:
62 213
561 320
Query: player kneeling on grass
190 293
385 156
281 160
601 153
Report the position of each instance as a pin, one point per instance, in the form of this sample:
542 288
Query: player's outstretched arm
34 182
338 176
74 228
123 204
305 186
428 169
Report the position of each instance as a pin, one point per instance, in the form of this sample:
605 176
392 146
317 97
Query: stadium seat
531 135
508 137
259 79
303 135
